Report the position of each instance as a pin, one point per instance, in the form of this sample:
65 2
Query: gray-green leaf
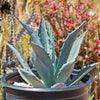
43 64
51 45
47 40
32 33
67 46
65 72
20 57
31 78
76 47
81 74
42 33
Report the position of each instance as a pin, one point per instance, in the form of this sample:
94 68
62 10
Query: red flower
82 7
37 13
61 28
51 7
56 6
60 32
93 22
66 8
96 17
93 5
71 21
65 22
79 11
52 2
97 50
38 22
83 18
51 10
62 40
45 6
86 56
76 14
87 1
59 16
67 12
35 0
56 44
98 41
88 46
25 38
80 51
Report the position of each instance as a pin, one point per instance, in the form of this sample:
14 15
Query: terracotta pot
76 92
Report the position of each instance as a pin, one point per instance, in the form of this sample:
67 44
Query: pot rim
69 88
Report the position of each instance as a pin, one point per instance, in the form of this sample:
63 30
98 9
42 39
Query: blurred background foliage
63 17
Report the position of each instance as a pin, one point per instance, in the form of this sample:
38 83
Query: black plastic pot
76 92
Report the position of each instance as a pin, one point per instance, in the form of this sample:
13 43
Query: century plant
53 72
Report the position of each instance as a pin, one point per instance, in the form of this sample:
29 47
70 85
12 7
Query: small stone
22 84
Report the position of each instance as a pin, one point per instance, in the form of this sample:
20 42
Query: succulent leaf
76 47
22 31
42 33
20 57
51 45
32 33
30 78
46 38
68 79
67 68
65 72
65 50
43 64
81 74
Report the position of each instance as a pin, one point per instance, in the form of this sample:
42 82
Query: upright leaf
20 57
76 47
67 46
51 45
30 78
66 69
43 64
32 33
64 72
42 33
81 74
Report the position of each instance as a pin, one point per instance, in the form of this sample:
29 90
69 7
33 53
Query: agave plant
53 72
